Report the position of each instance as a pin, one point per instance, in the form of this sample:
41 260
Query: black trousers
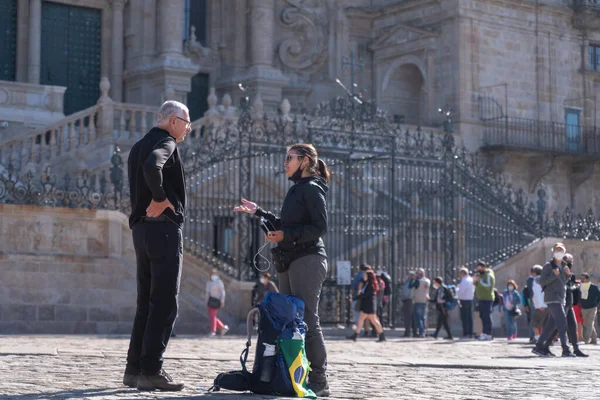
407 312
159 252
556 322
571 329
442 315
466 317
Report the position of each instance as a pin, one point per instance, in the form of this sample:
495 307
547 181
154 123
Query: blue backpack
280 365
450 298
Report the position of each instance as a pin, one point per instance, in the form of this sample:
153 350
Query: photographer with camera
300 257
554 284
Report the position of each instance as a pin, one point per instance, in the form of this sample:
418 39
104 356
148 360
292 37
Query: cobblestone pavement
91 367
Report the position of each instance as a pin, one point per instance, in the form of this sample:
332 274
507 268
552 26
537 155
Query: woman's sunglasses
290 157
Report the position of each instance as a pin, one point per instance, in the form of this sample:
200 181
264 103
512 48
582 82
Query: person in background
526 299
465 294
387 289
407 304
589 301
215 300
355 283
554 283
510 307
485 281
540 309
420 300
264 286
380 301
442 295
368 304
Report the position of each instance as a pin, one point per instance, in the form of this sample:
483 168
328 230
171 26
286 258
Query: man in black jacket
157 189
590 298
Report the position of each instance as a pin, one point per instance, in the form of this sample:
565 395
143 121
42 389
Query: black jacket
303 217
156 172
593 298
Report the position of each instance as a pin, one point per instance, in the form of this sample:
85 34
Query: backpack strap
249 319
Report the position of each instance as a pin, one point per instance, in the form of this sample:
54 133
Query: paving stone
35 367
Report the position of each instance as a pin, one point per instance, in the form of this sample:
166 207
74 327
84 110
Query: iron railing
546 136
398 200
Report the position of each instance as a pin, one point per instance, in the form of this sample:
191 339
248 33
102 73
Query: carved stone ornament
307 49
193 48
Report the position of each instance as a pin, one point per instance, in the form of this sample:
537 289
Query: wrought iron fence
398 199
522 133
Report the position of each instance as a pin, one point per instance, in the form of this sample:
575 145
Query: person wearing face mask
300 257
265 285
571 298
511 308
554 283
215 300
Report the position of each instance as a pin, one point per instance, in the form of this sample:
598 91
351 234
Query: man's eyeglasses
290 157
188 123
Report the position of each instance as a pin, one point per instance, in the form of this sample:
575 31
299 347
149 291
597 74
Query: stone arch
404 90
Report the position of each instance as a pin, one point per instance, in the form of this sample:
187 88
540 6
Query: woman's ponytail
323 170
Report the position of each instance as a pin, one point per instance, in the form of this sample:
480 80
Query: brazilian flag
294 355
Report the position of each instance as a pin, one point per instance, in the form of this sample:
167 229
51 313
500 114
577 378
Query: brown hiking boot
160 381
130 380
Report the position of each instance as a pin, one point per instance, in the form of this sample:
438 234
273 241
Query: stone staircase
84 140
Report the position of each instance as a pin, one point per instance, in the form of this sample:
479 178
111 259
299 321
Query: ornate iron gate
398 200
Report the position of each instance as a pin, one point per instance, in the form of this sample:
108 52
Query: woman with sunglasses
299 233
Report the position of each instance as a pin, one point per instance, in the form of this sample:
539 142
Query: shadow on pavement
109 392
70 394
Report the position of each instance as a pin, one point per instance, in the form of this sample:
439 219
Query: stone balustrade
132 121
32 104
46 144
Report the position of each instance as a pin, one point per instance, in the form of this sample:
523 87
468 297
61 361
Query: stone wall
73 271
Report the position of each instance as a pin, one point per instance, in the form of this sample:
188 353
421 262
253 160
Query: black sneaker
130 380
160 381
550 354
532 341
579 353
321 389
540 352
567 353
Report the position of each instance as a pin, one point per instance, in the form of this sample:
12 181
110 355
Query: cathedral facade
521 79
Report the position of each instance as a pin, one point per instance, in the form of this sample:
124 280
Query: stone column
116 76
170 35
262 29
35 37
